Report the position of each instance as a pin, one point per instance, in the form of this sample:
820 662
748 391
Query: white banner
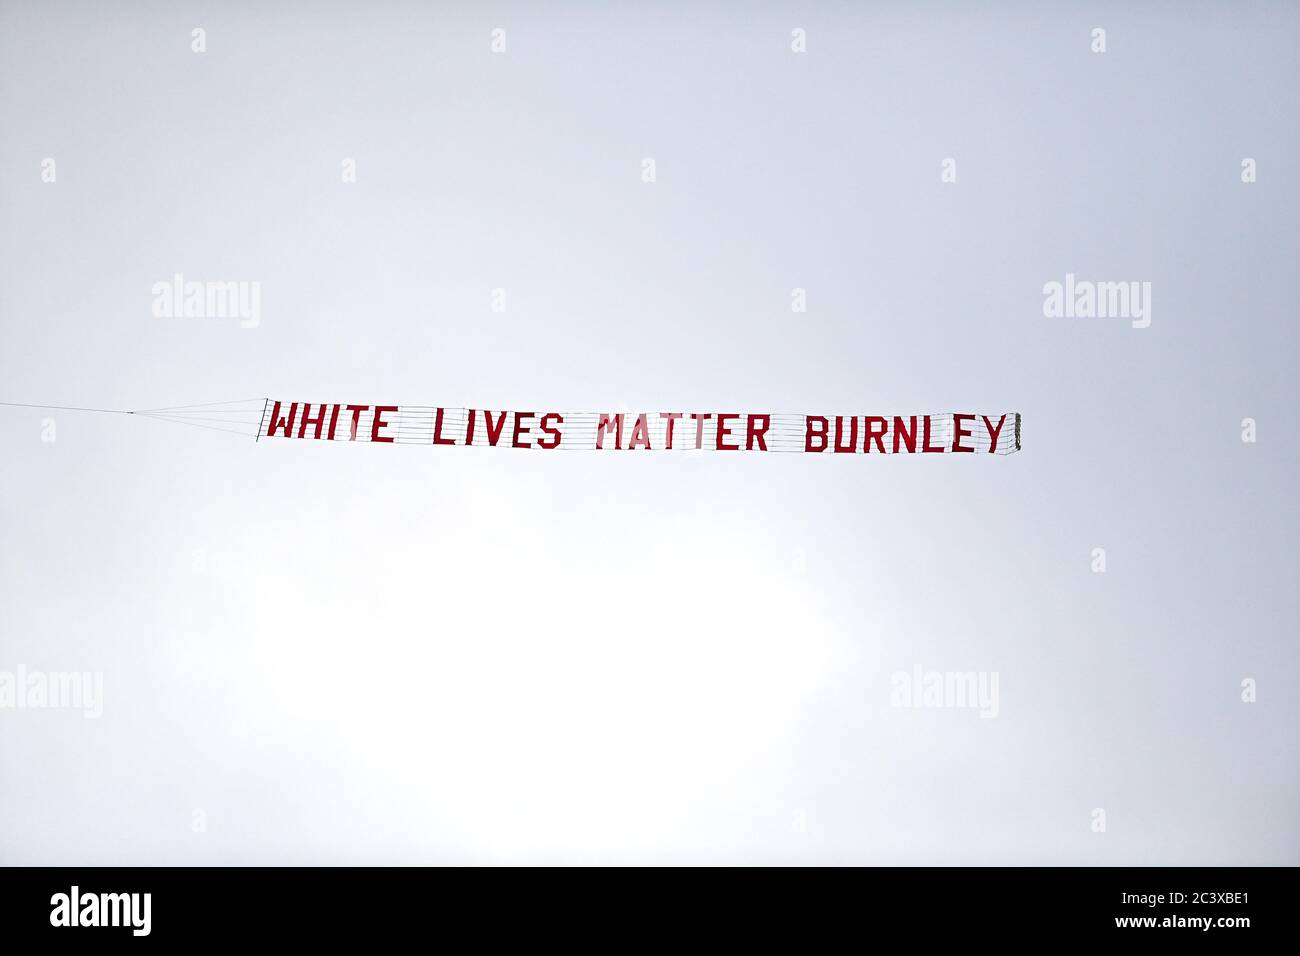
935 433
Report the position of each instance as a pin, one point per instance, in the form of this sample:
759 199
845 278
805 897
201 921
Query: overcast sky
363 654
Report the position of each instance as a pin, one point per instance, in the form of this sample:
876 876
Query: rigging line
211 411
215 428
191 421
198 421
68 408
229 411
171 408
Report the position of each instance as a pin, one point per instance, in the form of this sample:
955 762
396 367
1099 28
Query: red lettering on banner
699 419
514 438
376 424
809 434
925 440
958 433
285 423
356 411
879 436
640 434
908 437
839 434
318 421
604 425
672 420
551 430
437 429
724 432
494 432
993 432
762 432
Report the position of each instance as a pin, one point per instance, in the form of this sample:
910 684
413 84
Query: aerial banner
935 433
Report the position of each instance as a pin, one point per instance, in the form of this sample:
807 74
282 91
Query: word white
35 690
179 299
1098 300
102 909
946 689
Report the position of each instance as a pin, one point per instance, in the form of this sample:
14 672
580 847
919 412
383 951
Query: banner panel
935 433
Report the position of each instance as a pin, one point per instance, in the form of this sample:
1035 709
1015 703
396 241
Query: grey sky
407 654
